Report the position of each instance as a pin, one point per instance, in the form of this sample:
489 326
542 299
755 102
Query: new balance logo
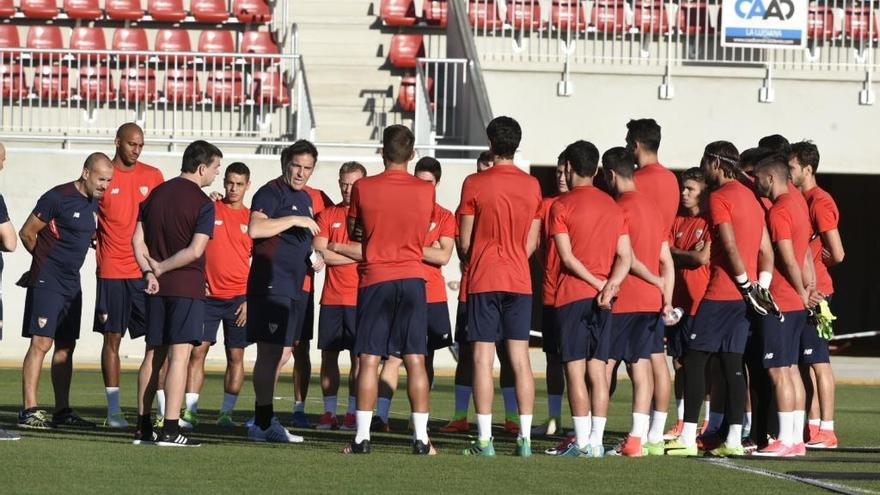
115 190
769 355
808 352
218 222
336 225
76 214
294 208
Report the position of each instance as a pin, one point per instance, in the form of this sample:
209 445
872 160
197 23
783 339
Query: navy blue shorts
274 319
678 336
634 335
50 314
392 318
174 320
781 341
217 310
584 331
550 330
720 326
813 349
336 327
306 310
439 328
497 316
120 304
461 322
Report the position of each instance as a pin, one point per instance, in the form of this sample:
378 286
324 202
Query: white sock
679 407
688 436
707 405
639 425
815 422
330 404
484 427
554 406
364 418
597 433
228 402
827 425
734 436
715 421
786 427
112 400
658 425
510 406
525 426
462 399
160 403
192 402
420 426
383 406
299 406
798 427
352 405
581 430
747 421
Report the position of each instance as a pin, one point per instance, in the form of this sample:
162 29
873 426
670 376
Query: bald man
8 242
58 234
120 303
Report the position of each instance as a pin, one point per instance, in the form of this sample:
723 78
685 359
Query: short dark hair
645 131
560 160
776 143
695 174
397 143
807 154
776 164
198 153
349 167
583 156
300 147
752 156
485 157
726 154
620 161
93 158
431 165
504 135
238 168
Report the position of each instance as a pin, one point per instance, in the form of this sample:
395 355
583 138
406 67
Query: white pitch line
834 487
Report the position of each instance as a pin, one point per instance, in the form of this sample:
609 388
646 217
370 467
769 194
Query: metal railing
842 34
439 84
86 93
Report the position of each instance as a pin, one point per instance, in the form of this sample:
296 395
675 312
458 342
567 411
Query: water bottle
673 317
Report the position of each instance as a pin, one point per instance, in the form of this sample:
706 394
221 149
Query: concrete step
335 8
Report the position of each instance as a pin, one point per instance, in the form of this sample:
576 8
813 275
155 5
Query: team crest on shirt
218 222
41 321
311 211
103 317
678 235
698 233
273 327
144 190
432 226
243 228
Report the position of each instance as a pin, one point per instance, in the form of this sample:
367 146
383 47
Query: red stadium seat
693 18
7 8
216 41
83 9
124 10
258 42
167 10
12 82
46 37
405 49
568 15
651 17
88 38
398 12
137 84
252 10
857 23
182 86
406 96
209 10
39 9
270 87
609 16
225 88
130 40
96 84
9 39
51 82
524 14
820 23
172 41
483 14
436 12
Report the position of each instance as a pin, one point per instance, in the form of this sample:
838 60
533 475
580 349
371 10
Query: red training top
341 281
824 216
661 185
787 221
228 255
647 234
442 225
690 283
551 255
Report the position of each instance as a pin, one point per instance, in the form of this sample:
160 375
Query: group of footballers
724 270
